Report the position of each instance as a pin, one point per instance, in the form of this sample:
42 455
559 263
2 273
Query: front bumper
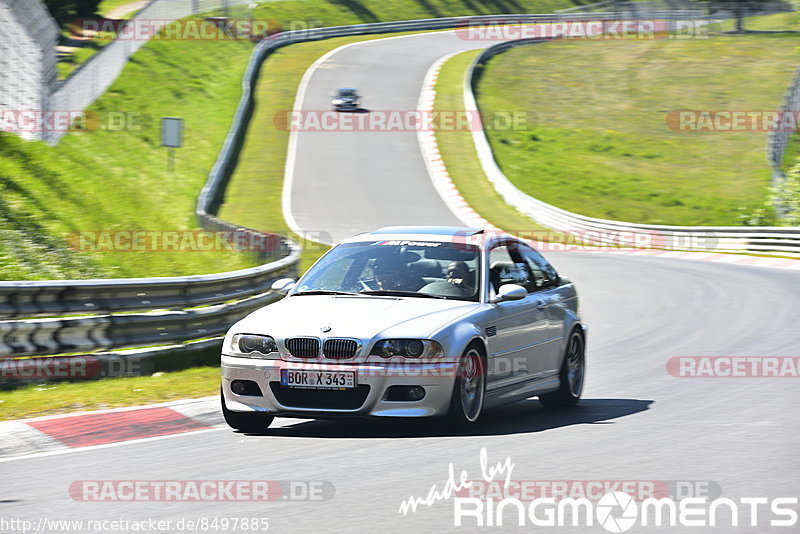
368 400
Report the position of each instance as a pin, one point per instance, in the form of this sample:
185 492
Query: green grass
597 140
458 153
338 12
117 180
53 398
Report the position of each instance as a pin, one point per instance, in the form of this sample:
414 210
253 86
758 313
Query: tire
466 402
250 422
572 375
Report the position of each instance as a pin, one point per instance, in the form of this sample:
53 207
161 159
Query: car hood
362 317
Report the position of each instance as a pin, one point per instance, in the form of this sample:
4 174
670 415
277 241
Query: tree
65 11
739 8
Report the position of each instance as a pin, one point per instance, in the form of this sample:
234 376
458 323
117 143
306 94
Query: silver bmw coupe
408 322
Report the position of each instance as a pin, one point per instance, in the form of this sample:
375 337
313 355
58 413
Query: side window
505 268
543 273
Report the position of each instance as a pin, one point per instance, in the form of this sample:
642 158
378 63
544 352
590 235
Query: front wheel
250 422
466 403
571 377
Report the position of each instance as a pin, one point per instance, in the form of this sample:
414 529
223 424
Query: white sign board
171 132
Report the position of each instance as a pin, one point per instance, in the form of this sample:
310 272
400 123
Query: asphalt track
636 421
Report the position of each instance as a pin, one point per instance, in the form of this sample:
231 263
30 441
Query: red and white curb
433 159
51 434
451 196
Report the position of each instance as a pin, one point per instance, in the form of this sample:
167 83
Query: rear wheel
466 403
573 371
251 422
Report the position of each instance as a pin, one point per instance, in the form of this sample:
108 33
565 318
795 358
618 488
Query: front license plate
318 379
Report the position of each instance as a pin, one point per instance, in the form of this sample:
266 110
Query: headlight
408 348
253 346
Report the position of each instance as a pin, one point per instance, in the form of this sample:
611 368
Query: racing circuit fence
59 317
766 240
778 140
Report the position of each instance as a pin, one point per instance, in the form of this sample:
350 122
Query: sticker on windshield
398 243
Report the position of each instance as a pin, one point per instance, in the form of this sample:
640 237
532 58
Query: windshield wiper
393 293
326 292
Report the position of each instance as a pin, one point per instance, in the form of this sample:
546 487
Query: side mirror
510 292
283 286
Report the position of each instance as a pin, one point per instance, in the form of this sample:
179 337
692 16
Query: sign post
172 138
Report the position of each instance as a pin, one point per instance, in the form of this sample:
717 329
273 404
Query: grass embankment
117 180
601 145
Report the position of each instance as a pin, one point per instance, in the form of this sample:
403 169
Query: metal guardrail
42 337
767 240
56 298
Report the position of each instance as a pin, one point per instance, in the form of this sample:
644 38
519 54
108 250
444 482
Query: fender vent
491 331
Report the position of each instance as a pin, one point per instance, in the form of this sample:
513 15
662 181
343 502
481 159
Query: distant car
346 99
408 322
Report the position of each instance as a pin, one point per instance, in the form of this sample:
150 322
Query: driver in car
458 274
391 274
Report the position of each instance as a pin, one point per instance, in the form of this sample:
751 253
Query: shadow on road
521 418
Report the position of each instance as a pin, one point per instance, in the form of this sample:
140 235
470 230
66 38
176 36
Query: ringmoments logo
619 509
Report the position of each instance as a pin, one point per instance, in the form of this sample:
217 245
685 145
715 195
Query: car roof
347 89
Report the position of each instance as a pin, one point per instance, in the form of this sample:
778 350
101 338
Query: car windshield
347 92
428 269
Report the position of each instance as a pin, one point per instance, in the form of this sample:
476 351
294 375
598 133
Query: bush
65 11
789 196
